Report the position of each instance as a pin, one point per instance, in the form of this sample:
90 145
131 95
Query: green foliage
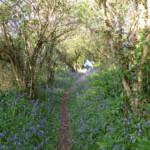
29 125
100 115
33 124
35 36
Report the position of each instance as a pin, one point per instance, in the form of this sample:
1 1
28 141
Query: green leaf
20 16
132 52
148 57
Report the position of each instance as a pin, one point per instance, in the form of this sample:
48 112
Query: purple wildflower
146 123
32 101
1 147
132 137
38 126
138 125
1 134
33 129
139 134
36 103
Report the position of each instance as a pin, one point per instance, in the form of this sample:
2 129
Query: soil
64 139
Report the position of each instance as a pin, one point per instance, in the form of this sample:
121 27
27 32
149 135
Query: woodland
43 47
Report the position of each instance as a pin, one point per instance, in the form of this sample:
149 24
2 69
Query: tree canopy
44 35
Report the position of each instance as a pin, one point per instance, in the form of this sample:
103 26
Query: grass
33 125
100 118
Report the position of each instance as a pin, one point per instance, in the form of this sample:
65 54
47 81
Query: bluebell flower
15 136
138 124
33 129
140 130
2 135
38 126
132 137
139 134
19 143
146 123
1 147
42 132
46 140
32 101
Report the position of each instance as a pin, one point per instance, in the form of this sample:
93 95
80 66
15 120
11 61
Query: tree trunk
17 79
50 80
31 82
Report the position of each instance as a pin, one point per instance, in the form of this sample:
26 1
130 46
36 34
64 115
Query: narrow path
64 139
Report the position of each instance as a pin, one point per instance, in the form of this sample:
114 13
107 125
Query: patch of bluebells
97 116
66 79
33 124
23 125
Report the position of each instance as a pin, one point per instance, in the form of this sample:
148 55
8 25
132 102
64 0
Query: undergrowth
33 125
100 118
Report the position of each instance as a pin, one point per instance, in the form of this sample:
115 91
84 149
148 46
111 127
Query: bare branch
10 7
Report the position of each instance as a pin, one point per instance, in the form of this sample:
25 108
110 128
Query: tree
128 38
29 34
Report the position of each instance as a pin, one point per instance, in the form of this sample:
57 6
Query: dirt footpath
64 139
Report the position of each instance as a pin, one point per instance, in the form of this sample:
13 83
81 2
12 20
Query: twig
8 5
